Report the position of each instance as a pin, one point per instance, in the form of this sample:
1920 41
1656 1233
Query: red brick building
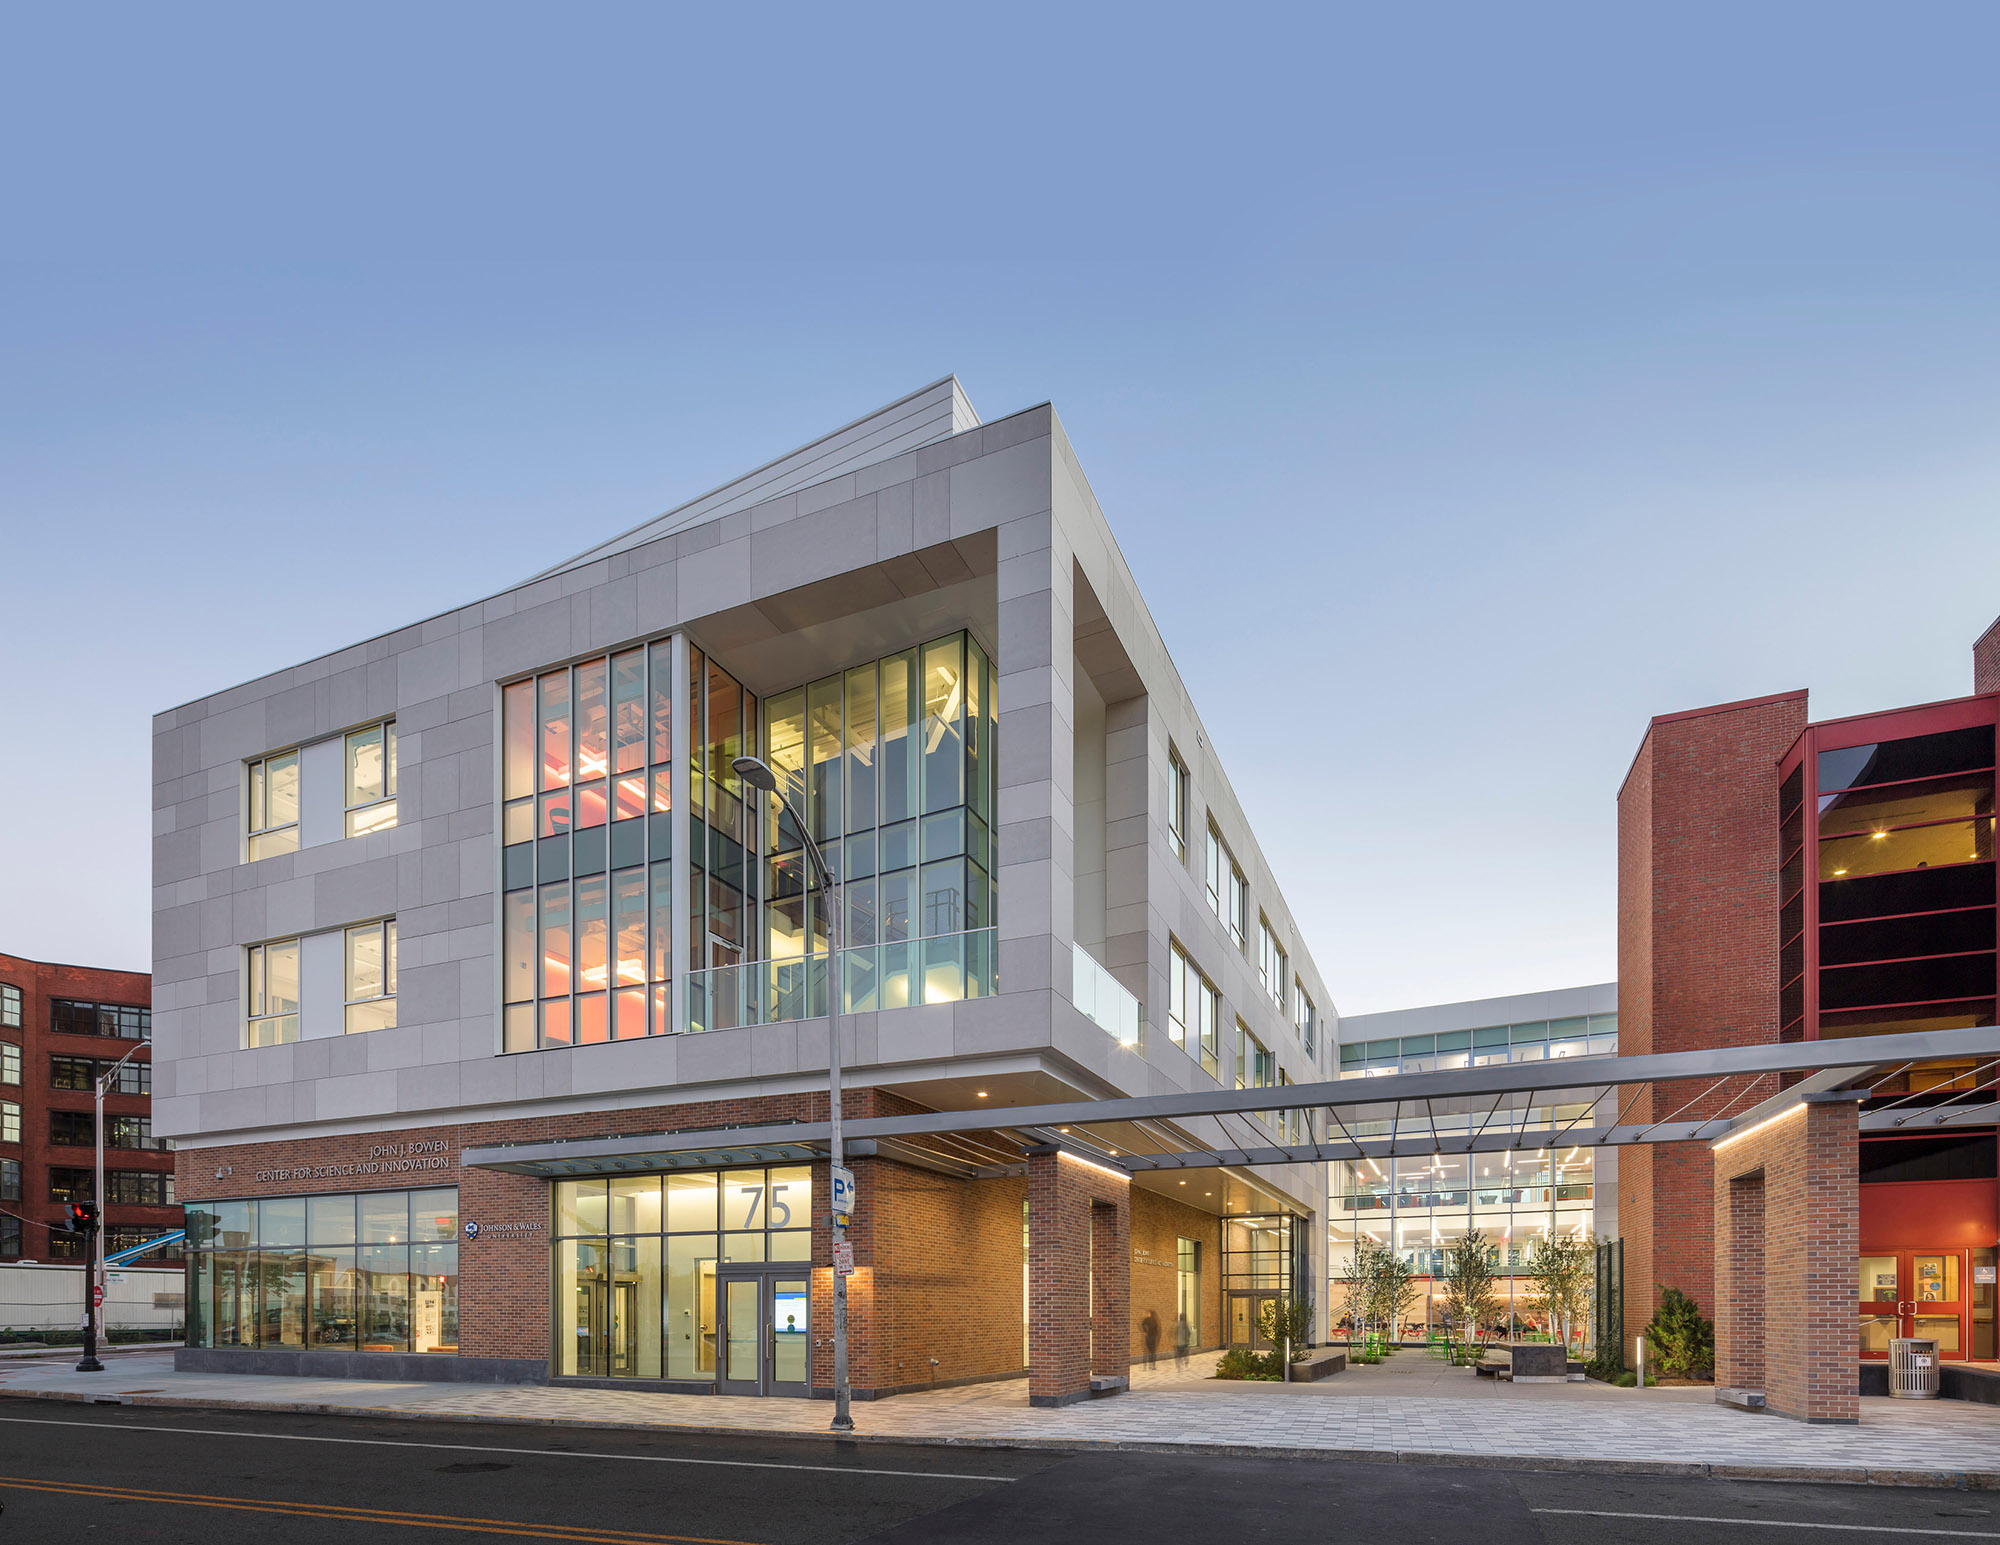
1784 880
60 1028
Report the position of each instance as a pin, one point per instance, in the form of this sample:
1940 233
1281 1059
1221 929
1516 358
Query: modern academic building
490 1003
1423 1201
1785 880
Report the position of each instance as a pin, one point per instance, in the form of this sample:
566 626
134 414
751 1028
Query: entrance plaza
1411 1407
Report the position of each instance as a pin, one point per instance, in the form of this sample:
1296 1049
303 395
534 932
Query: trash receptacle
1913 1368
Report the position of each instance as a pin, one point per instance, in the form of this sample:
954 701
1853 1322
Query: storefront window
636 1256
371 1272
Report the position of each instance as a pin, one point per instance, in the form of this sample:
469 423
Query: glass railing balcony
875 976
1105 999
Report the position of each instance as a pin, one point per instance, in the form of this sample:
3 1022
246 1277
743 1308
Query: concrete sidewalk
1407 1409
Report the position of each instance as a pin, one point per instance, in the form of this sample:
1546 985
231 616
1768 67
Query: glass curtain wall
1424 1205
370 1272
892 765
1583 1035
586 828
634 1261
1901 865
722 838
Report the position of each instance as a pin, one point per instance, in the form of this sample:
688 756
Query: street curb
1825 1475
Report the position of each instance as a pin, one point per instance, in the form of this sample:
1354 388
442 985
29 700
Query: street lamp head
756 774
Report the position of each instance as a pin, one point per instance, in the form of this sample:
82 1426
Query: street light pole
93 1266
758 776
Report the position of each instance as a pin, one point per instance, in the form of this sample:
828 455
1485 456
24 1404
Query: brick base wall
1159 1223
937 1295
1079 1277
1787 1211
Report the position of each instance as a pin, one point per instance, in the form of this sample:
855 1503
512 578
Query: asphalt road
70 1473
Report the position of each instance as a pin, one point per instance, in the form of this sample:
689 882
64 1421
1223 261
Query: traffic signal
81 1217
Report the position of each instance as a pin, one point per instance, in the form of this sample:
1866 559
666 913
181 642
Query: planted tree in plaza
1283 1320
1468 1285
1562 1268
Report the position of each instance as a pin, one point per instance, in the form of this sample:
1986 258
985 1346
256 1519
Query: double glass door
766 1331
1246 1317
1915 1293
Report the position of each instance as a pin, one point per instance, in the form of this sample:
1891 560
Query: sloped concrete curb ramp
1897 1443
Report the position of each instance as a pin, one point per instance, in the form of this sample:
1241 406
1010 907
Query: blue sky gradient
1463 389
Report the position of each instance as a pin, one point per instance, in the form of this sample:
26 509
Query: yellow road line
581 1533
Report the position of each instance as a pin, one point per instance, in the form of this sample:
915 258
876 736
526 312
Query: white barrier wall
50 1297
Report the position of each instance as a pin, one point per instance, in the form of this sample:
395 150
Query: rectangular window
69 1017
1228 891
10 1063
272 999
130 1132
10 1122
139 1188
1177 802
1273 969
1187 1295
71 1185
1192 1007
274 805
71 1128
71 1073
10 1180
10 1236
10 1006
1208 1016
389 1284
371 779
1306 1017
371 977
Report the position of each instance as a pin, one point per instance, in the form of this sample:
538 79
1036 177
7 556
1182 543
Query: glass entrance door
1914 1293
742 1334
1245 1319
766 1333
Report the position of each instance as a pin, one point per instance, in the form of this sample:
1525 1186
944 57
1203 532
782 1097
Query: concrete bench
1321 1365
1538 1362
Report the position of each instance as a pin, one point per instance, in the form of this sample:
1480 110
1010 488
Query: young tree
1468 1285
1357 1287
1562 1268
1392 1292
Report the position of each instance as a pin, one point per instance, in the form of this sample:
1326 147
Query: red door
1915 1293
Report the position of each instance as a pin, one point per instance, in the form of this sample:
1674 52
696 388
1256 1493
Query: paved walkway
1409 1407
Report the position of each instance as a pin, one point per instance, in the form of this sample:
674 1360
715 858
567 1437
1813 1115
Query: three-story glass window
274 805
587 840
272 1002
371 976
371 779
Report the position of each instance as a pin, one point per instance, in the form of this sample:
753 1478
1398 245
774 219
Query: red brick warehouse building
1785 880
60 1027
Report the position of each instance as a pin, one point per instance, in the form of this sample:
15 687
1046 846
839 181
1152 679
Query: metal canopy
1146 1132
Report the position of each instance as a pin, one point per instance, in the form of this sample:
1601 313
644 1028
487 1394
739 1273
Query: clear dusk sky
1465 384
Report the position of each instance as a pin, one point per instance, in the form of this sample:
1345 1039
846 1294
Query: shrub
1683 1342
1242 1363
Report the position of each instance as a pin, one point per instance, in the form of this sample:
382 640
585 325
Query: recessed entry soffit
798 635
